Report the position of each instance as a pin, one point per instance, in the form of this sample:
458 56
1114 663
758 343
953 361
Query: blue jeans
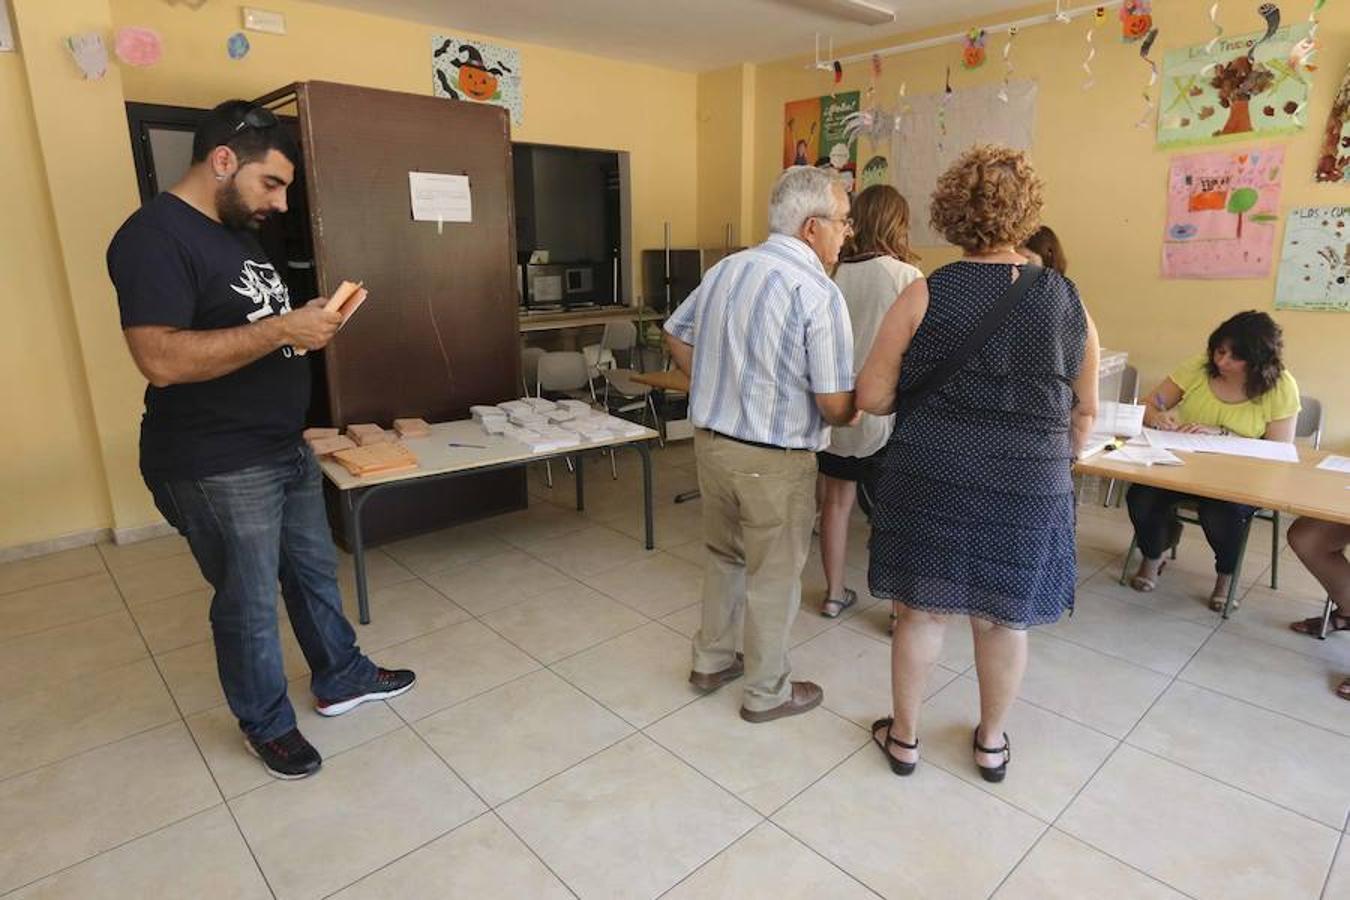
247 530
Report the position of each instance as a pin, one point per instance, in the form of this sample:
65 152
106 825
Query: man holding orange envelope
209 323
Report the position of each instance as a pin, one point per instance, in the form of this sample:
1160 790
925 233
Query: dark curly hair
1257 340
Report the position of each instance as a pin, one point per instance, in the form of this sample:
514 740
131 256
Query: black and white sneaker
289 756
388 683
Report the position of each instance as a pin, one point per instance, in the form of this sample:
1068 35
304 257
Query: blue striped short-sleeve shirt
770 330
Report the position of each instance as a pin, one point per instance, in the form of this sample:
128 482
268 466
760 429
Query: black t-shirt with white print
174 266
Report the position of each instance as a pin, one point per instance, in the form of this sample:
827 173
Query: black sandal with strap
996 773
1312 626
899 767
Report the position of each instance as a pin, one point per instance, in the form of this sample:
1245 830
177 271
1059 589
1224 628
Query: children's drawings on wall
815 134
1315 263
1333 162
464 69
1222 211
1239 91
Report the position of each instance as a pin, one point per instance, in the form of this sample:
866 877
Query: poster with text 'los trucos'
473 70
1222 211
1248 88
813 133
1315 264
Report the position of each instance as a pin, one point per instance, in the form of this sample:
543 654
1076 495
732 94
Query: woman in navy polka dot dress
974 509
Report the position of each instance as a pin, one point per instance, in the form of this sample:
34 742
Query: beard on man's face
234 211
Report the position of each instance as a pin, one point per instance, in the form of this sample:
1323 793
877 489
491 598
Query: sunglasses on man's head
257 117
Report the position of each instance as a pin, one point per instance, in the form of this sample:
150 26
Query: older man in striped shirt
766 342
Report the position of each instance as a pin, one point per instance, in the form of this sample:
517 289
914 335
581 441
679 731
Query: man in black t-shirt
210 325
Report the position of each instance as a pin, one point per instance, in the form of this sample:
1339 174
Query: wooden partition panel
440 329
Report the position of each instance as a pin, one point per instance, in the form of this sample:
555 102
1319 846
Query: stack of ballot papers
364 435
376 459
412 428
546 427
1227 444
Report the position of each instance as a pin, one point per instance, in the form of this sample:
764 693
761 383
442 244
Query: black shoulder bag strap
910 400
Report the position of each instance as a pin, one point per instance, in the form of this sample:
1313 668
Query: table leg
354 507
645 452
581 482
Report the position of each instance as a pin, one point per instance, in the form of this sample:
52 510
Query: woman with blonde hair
990 365
875 267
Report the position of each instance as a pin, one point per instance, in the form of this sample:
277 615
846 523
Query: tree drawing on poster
466 69
928 143
1221 214
1315 264
813 134
1333 163
1234 94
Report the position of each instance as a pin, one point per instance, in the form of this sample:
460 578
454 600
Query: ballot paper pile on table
545 426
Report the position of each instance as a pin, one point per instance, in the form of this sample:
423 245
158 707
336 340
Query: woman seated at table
1239 386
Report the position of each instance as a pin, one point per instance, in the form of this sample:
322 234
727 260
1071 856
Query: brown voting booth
439 330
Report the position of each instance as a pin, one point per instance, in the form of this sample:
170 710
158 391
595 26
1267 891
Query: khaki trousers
758 507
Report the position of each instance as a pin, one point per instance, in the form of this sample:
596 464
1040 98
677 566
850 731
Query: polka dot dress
974 508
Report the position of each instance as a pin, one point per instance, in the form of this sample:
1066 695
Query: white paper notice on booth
440 198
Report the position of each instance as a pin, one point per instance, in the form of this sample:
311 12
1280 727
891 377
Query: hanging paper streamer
1136 20
942 111
972 49
838 72
237 45
1098 17
89 54
1271 13
1149 103
1213 44
1300 57
1007 64
872 121
138 46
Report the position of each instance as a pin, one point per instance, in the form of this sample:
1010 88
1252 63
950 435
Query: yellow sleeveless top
1249 418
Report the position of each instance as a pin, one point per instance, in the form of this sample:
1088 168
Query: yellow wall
53 482
1106 181
726 160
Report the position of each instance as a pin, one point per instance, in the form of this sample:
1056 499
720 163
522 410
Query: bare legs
836 502
1000 662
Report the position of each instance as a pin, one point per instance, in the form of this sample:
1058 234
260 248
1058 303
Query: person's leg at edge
1000 663
915 648
837 504
1320 546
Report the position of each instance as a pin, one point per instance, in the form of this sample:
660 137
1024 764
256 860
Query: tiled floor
553 749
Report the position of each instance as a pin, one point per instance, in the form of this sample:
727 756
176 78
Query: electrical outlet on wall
264 20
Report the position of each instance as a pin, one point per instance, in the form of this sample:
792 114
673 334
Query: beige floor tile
655 586
588 552
203 856
855 672
1296 582
642 675
1111 533
481 859
428 554
672 524
597 825
70 717
59 603
1134 633
68 652
1298 686
515 736
156 579
487 585
910 837
1199 836
194 680
28 573
685 621
694 551
175 622
1062 868
1091 561
1265 616
122 556
540 522
558 624
365 809
768 862
1099 691
454 664
63 814
381 571
236 770
1053 757
1288 762
750 759
400 612
1338 882
808 624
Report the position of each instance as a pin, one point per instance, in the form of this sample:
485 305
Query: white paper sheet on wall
920 151
440 198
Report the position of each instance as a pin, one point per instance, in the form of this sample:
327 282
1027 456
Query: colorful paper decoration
972 49
1212 47
1315 263
1007 64
476 71
89 53
138 46
1136 20
1302 53
943 103
838 71
1223 96
1149 104
1333 162
1098 17
877 171
237 45
1222 213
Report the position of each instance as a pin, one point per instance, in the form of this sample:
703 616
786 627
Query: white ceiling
694 35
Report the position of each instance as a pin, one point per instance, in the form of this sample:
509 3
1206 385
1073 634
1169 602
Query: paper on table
440 198
1145 456
1255 448
1336 464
